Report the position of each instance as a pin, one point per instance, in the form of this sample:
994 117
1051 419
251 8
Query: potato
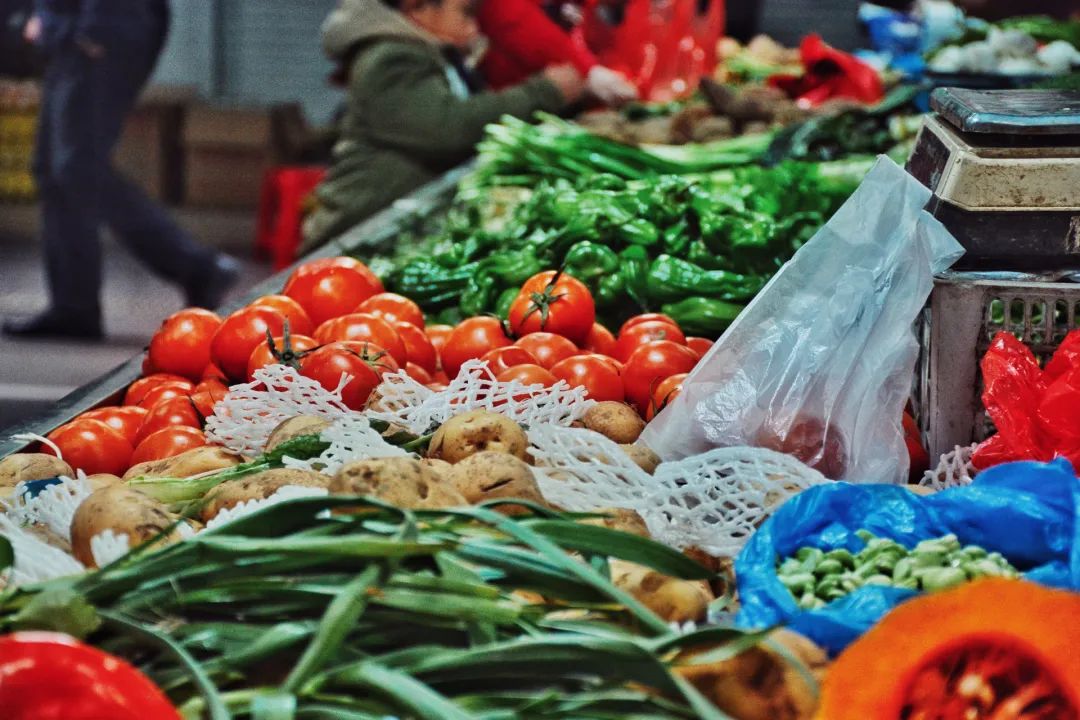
672 599
493 475
643 457
295 427
257 487
476 431
439 467
187 464
776 679
614 420
22 467
103 480
621 519
123 510
402 481
920 489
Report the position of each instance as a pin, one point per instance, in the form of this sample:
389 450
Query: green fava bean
843 556
941 578
878 580
829 566
903 569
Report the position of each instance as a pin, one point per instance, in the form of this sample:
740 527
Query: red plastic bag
830 73
1034 410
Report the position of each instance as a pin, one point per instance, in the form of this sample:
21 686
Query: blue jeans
84 104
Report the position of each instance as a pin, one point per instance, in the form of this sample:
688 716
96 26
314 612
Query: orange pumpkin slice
993 649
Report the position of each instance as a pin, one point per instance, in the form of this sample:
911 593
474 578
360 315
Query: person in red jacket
523 39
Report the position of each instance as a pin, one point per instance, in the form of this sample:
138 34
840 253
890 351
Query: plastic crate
955 331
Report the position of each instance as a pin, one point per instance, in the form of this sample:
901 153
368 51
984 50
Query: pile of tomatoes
333 318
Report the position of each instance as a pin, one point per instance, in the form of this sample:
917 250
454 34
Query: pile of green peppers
697 249
815 577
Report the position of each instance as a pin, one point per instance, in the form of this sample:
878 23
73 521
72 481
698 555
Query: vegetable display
696 249
816 578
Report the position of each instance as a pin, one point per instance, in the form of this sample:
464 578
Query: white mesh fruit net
245 417
953 470
52 508
713 501
405 402
35 559
108 546
351 438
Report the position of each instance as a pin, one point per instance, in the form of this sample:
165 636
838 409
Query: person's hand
32 30
568 80
610 87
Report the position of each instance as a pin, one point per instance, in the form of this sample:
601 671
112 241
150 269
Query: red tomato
699 345
437 386
366 328
168 413
299 322
359 360
331 292
147 366
126 420
167 442
599 340
289 354
666 391
138 389
438 335
208 394
504 358
91 446
212 371
240 334
417 346
472 339
51 676
556 303
643 333
418 373
166 391
182 343
528 375
440 376
393 308
651 364
339 261
599 377
547 348
647 317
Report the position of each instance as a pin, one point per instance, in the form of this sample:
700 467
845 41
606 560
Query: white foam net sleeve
713 501
243 509
35 559
405 402
716 500
351 438
245 417
953 470
108 546
53 507
581 470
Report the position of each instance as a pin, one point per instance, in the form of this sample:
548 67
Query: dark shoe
210 290
57 324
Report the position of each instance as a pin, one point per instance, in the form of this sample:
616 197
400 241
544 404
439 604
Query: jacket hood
362 21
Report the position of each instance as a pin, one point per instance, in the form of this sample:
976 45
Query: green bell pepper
505 300
702 316
671 278
479 294
587 261
635 274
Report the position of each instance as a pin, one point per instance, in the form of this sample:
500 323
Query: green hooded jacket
409 117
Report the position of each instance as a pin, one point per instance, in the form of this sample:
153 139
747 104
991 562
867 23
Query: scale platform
1004 167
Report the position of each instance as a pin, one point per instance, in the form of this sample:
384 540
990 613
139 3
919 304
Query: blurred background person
412 112
100 54
526 36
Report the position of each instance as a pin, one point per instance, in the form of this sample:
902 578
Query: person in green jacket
410 115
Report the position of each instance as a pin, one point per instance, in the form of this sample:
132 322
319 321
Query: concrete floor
33 375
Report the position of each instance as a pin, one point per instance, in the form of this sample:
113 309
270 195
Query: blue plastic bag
1029 512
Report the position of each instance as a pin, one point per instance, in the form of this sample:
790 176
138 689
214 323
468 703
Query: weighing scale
1004 167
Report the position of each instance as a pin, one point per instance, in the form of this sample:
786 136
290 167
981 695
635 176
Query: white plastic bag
820 363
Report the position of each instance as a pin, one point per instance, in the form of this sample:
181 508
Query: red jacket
523 40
